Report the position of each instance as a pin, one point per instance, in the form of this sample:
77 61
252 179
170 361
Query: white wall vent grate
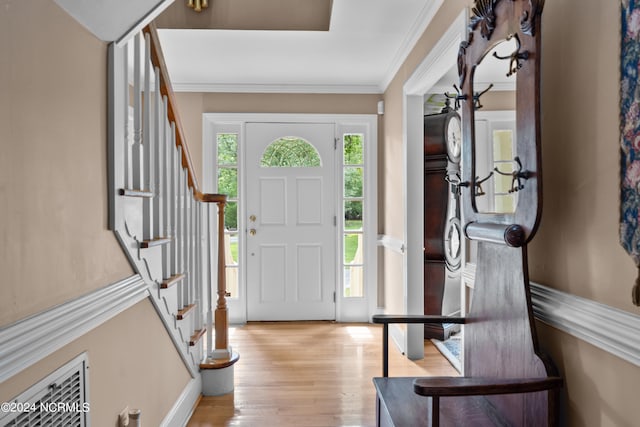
59 400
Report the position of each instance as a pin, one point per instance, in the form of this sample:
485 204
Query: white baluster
174 202
125 118
209 279
166 185
194 250
188 234
179 229
199 263
136 149
158 157
184 233
147 141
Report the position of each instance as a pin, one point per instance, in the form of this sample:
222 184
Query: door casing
347 309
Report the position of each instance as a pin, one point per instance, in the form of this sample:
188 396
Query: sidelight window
227 162
353 207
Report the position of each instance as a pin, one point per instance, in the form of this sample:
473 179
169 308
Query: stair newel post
217 369
221 313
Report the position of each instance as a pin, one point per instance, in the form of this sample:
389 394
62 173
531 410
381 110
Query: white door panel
291 241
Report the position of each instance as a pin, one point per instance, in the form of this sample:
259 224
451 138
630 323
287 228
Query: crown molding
276 88
416 31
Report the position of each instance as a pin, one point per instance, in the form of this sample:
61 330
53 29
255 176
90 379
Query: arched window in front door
290 152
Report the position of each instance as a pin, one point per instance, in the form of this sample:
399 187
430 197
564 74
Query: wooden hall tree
507 380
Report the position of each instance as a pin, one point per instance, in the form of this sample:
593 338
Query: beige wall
391 153
192 105
132 362
54 241
576 249
53 167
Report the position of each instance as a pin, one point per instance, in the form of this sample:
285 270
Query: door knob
252 231
252 218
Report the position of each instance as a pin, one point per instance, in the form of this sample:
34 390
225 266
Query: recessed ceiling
366 43
297 15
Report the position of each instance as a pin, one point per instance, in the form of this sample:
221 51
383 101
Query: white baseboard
182 410
32 339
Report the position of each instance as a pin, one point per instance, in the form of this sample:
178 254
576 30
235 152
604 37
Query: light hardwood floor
308 374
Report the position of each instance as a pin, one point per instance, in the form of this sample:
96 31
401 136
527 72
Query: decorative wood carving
485 16
529 17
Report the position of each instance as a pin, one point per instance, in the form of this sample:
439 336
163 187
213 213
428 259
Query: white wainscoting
608 328
30 340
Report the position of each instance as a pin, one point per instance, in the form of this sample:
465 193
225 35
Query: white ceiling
367 42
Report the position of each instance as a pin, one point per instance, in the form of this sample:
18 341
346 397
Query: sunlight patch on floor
359 332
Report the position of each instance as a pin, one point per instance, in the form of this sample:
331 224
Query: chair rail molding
608 328
30 340
391 243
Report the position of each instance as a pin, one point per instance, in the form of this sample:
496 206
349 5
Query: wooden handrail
157 59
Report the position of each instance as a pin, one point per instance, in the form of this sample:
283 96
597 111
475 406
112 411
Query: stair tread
135 192
196 336
219 364
155 242
185 310
170 281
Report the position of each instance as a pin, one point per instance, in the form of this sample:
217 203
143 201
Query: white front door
291 234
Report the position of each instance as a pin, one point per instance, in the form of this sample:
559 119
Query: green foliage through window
227 148
353 149
290 152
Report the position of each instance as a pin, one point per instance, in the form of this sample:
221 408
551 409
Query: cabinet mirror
495 131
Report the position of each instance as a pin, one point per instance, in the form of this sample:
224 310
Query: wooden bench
507 380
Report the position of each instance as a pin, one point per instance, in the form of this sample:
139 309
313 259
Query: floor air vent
61 399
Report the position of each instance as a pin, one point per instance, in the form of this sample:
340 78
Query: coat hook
477 95
515 58
457 97
516 176
455 183
478 184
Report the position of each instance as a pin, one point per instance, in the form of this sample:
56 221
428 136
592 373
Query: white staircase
165 225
